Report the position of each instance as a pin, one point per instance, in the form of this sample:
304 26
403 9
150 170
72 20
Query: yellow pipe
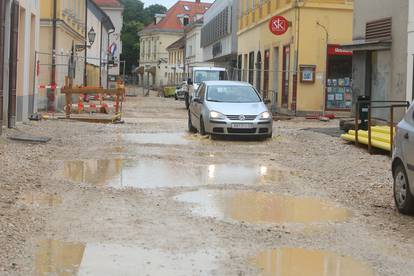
364 140
374 135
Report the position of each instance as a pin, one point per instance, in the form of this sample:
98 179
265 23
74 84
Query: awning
368 45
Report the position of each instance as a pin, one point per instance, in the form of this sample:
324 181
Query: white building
18 45
219 34
114 9
97 54
193 51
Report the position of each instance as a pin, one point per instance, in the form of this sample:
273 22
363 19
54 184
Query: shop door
266 74
251 67
259 72
275 76
14 36
285 76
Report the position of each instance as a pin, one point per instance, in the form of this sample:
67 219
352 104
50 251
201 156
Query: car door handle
407 136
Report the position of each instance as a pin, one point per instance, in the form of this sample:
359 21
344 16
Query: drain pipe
85 44
51 96
2 34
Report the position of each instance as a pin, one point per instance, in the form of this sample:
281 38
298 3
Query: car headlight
217 115
265 116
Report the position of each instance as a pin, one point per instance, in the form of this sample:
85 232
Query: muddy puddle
41 200
65 258
159 138
297 261
260 207
148 173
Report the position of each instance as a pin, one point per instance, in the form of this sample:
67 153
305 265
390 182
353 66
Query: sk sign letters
278 25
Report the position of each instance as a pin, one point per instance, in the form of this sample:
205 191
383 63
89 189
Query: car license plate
242 126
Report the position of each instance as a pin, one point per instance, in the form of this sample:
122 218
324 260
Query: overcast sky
167 3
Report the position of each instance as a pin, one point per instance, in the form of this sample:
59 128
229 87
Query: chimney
158 17
197 1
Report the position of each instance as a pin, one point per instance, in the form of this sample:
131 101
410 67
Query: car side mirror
267 101
197 100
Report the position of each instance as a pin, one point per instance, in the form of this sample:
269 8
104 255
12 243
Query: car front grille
237 117
241 130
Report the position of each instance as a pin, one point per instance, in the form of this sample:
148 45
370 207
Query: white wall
410 51
116 16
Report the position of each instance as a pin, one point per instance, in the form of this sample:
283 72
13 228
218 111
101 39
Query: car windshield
232 94
200 76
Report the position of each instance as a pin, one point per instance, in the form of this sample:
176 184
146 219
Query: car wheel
404 200
202 128
191 128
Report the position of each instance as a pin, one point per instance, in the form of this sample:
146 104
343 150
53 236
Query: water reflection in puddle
41 199
62 258
148 173
260 207
297 261
158 138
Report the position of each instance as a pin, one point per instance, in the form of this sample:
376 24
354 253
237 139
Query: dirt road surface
148 198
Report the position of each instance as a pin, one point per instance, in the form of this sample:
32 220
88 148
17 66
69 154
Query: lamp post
91 39
326 68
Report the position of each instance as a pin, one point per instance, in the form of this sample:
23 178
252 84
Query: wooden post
369 129
357 123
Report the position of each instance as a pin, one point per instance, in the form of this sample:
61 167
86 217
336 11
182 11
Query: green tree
135 17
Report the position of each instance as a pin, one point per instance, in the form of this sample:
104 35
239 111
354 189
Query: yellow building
289 50
60 36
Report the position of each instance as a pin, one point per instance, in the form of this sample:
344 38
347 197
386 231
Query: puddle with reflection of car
261 207
298 261
37 199
154 173
53 257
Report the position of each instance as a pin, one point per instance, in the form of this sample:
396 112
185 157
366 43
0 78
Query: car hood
237 108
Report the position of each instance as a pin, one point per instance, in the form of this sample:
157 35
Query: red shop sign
278 25
334 50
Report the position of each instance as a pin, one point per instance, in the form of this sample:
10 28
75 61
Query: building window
186 8
186 20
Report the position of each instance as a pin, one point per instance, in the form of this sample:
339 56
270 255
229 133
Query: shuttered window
217 28
379 29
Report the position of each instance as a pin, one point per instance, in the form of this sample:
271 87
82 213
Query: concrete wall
391 81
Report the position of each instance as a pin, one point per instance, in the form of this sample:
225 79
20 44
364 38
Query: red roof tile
108 3
171 20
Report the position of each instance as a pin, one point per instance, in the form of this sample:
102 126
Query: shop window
339 79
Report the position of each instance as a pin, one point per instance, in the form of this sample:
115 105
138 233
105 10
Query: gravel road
148 198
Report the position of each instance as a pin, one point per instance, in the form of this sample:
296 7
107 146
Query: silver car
403 164
229 108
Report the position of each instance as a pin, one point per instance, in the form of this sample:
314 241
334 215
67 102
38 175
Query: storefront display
339 81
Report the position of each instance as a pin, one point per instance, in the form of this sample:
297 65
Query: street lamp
91 36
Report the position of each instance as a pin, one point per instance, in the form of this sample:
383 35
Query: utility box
363 111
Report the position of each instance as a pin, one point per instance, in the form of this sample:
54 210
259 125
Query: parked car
180 92
403 164
229 108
